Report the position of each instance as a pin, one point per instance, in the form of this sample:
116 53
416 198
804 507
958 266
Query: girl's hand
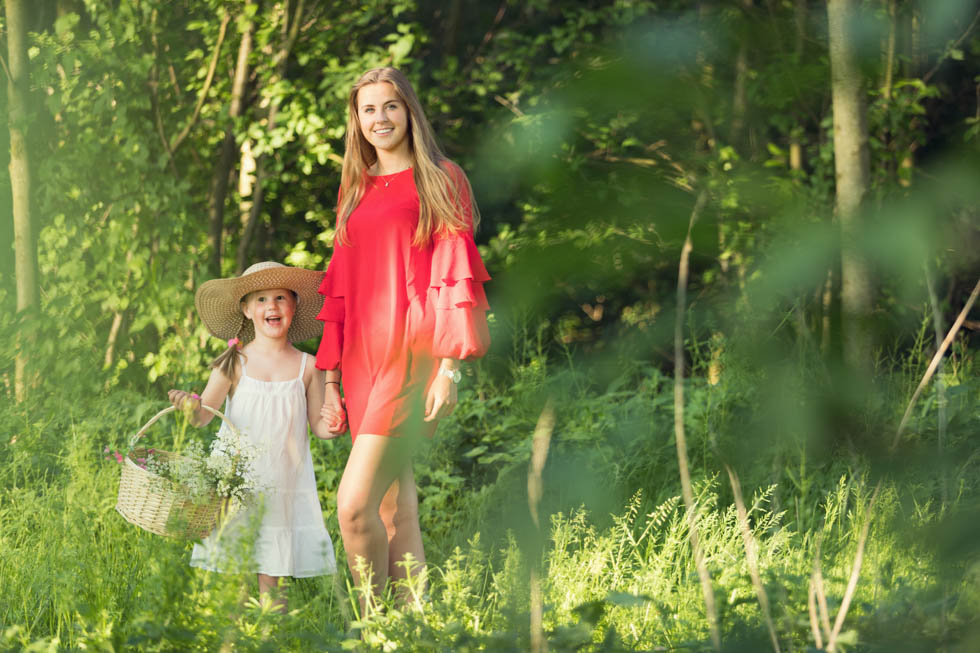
440 401
179 398
333 412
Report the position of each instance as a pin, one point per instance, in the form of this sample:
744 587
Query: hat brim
218 302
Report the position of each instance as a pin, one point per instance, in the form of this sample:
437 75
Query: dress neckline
390 174
378 180
299 377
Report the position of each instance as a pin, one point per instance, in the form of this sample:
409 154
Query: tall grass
75 575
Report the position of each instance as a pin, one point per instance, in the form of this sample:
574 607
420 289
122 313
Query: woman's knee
354 511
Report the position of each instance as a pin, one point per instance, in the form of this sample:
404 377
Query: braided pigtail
227 362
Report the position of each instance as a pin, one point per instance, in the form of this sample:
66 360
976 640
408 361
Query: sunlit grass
76 575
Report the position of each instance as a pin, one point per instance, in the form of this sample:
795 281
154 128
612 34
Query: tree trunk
740 100
851 164
452 23
219 183
25 250
290 31
795 144
886 85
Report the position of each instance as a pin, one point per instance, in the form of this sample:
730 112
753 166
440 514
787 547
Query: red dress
391 309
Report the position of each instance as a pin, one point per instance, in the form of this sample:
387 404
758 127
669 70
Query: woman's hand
333 412
440 401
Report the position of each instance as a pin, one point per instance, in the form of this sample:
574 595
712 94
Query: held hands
333 411
440 401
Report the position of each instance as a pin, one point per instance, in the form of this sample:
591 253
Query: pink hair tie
232 342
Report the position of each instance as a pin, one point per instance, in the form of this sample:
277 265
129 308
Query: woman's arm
440 400
214 394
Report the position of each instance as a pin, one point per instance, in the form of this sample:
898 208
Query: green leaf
401 48
65 23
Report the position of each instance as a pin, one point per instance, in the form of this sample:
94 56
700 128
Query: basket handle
170 409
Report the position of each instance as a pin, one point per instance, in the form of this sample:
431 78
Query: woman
403 304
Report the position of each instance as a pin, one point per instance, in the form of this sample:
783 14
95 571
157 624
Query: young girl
404 303
272 393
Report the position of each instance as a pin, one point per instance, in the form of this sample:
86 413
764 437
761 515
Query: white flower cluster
231 465
227 471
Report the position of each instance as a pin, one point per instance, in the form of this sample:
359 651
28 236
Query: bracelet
329 382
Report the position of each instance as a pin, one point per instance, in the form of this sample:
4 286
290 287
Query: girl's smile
271 311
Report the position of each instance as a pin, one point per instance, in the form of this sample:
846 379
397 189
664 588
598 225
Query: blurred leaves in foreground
588 129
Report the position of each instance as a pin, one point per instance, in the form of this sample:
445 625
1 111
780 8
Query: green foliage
78 576
587 129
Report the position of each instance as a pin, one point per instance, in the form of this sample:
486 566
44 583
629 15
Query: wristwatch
450 374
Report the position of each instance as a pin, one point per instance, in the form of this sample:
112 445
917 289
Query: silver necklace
387 178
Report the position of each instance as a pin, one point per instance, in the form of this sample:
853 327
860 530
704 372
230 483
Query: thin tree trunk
826 311
886 90
535 489
118 316
904 172
888 82
25 250
204 89
795 144
219 183
452 29
851 164
939 328
915 42
290 31
740 93
707 590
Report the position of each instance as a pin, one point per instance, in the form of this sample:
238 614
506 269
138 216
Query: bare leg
273 586
375 462
400 515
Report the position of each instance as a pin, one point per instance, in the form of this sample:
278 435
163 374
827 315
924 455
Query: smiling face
383 118
271 311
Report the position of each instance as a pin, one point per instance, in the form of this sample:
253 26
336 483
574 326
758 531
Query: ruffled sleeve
456 292
331 348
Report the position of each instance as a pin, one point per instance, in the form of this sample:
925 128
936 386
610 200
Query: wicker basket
159 505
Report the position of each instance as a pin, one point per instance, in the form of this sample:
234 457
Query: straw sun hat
219 301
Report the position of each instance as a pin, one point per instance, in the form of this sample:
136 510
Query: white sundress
290 539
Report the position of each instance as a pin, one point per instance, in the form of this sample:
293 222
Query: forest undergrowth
615 564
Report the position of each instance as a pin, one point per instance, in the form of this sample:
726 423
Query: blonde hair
227 361
443 189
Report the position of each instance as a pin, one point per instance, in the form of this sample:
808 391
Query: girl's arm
324 406
214 394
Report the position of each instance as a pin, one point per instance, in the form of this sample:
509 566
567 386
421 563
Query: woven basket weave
159 505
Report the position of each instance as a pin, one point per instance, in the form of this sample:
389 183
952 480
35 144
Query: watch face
455 375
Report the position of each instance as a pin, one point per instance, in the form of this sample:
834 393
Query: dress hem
218 570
